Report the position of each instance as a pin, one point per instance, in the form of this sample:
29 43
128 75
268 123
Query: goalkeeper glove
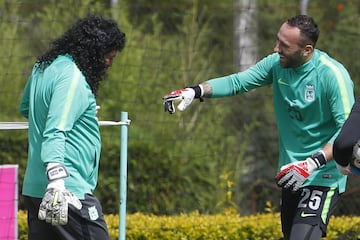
54 205
293 175
185 96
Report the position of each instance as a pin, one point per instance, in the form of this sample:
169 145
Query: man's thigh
315 206
87 223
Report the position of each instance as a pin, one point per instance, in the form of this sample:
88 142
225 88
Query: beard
291 60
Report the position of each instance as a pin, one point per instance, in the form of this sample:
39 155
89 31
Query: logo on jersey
93 213
304 215
280 81
309 93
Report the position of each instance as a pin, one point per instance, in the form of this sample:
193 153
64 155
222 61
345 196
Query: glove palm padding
293 175
185 96
55 204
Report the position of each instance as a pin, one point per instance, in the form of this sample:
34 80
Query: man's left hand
293 175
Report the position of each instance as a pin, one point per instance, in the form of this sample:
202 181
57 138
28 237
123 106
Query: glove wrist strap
56 171
58 184
199 91
319 158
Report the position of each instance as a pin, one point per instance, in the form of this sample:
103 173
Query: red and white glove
185 96
293 175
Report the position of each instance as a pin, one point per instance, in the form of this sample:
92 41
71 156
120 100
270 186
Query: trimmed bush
195 226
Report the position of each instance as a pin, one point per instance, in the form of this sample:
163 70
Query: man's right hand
185 96
294 174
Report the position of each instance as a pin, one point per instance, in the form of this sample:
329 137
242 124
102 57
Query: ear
308 50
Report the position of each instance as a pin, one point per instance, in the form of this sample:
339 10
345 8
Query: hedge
195 226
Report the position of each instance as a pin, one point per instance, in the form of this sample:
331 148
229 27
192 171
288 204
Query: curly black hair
87 41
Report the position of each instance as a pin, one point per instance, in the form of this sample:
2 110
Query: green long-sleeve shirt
61 110
311 103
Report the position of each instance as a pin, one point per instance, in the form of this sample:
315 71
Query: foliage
225 225
168 167
11 59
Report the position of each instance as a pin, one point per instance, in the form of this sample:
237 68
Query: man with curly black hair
64 137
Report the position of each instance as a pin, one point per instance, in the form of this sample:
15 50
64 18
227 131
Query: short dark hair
87 41
308 28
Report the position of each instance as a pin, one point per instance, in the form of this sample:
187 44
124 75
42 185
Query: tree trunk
245 28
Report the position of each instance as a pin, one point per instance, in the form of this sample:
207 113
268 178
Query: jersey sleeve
25 99
340 93
67 104
241 82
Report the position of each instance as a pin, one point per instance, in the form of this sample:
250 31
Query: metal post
123 174
303 6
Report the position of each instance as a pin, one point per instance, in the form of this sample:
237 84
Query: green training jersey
311 103
61 110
